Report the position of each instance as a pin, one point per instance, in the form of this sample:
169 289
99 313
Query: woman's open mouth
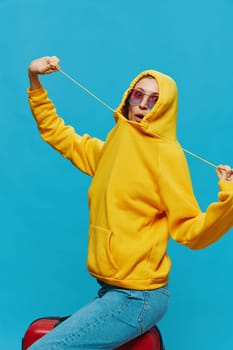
138 117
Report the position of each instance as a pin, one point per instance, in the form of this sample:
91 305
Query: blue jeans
113 318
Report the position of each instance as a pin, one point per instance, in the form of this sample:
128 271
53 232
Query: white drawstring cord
109 108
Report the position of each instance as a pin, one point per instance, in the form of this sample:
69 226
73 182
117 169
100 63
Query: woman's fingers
224 172
44 65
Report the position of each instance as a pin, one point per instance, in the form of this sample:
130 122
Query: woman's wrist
34 81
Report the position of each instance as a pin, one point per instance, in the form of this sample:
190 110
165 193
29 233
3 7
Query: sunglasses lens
152 101
136 97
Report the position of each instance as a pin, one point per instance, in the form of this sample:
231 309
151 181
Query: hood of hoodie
162 118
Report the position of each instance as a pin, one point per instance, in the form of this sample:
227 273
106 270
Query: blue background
44 215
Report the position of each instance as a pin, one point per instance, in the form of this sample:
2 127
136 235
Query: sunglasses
137 96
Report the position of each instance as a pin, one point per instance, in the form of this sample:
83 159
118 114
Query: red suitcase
151 340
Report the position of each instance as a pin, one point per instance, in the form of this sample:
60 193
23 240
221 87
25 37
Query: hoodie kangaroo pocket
100 261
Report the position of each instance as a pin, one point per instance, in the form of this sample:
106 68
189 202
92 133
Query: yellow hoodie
141 192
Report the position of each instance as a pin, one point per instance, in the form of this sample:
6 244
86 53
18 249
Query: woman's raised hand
44 65
224 173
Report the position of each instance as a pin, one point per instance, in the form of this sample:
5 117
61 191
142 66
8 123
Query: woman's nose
143 103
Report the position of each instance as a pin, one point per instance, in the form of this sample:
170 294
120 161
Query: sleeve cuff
36 92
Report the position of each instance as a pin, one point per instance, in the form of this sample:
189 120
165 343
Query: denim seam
141 314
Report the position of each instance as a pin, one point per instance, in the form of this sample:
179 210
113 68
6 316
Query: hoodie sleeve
83 151
187 224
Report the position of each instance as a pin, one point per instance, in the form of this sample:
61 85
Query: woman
140 196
